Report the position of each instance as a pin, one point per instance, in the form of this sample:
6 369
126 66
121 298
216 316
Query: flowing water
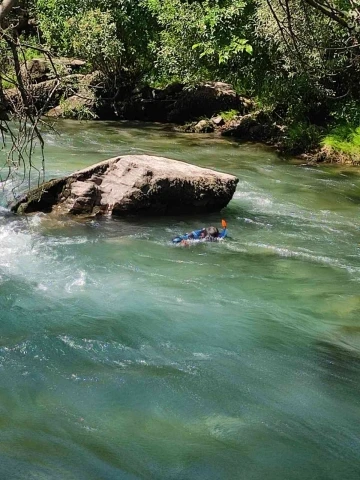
125 357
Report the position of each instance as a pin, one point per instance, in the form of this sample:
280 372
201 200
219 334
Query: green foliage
52 16
229 115
197 39
8 82
114 36
298 61
344 139
77 108
347 112
30 53
93 36
301 137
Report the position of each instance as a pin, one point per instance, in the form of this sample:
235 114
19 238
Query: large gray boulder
133 184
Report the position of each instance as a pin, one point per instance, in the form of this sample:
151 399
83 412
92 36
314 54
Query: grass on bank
344 139
340 143
229 115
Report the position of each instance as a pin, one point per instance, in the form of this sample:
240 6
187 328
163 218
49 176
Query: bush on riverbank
341 145
345 139
301 138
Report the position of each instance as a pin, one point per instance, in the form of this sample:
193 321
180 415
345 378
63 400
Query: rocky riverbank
65 89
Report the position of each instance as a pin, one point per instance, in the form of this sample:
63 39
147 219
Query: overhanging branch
337 15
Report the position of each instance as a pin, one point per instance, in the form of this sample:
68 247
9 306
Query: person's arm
180 238
194 235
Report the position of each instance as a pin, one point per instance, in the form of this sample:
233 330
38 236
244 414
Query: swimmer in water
208 234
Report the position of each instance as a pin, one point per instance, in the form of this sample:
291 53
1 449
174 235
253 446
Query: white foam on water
255 222
77 283
258 201
31 258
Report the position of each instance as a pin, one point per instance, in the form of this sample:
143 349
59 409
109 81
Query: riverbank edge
203 108
258 127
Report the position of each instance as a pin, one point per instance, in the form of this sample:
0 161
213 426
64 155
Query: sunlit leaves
197 36
112 35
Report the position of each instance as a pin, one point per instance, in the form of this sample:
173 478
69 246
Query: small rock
77 107
204 126
36 70
217 121
75 64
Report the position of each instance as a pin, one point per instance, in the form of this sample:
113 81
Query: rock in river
133 184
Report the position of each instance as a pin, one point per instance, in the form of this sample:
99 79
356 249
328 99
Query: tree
199 40
313 47
23 134
113 36
347 18
320 38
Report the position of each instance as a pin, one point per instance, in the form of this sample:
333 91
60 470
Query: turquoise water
125 357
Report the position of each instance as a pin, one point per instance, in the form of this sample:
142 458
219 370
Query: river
125 357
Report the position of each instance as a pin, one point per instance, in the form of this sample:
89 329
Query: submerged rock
133 184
